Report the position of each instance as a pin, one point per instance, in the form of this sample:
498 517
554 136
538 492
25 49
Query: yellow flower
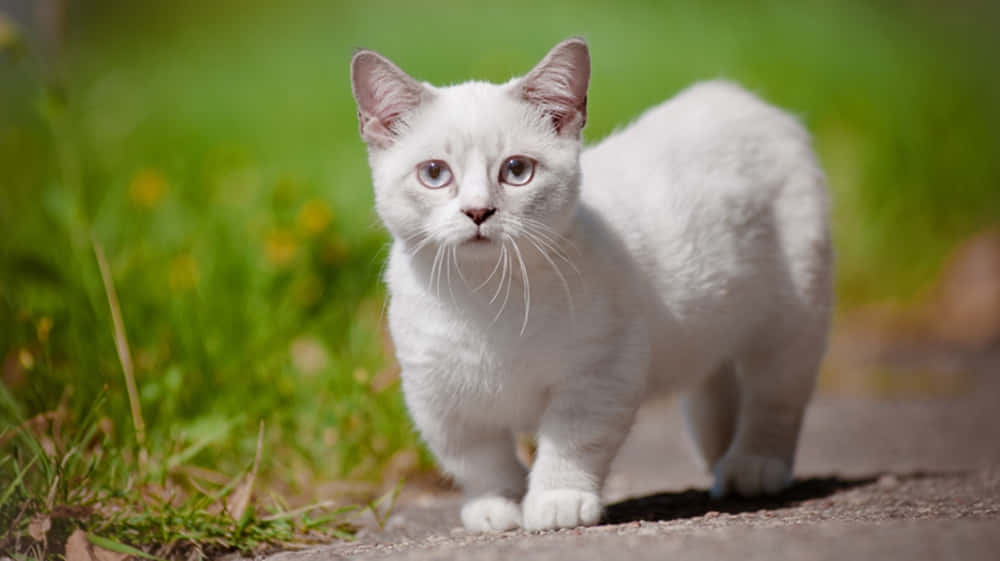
10 36
26 359
314 217
147 188
42 328
280 247
182 272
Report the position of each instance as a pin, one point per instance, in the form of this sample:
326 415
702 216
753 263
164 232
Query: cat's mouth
478 238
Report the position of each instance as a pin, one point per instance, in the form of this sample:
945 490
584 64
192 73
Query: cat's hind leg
776 383
711 410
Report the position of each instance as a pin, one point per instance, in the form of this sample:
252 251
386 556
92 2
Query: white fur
689 251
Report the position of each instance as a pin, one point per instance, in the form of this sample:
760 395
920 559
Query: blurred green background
211 149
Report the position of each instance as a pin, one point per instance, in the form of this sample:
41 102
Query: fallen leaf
79 548
240 499
39 527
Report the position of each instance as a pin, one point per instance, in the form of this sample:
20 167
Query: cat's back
712 154
716 193
711 130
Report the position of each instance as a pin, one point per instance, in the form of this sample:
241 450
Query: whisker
527 283
458 267
554 237
450 255
510 277
550 246
420 232
444 257
562 278
544 240
434 266
503 272
420 245
555 242
493 272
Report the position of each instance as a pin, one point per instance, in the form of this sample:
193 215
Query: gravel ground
898 477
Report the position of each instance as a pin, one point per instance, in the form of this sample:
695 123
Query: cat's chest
477 368
430 339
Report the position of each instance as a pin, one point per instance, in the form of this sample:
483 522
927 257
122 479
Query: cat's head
475 164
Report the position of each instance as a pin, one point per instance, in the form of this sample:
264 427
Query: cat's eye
517 170
434 174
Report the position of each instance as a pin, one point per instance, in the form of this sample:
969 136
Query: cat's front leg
482 460
579 435
485 464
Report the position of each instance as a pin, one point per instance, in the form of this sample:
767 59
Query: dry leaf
101 554
79 548
240 499
39 527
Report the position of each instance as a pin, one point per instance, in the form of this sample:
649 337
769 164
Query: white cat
535 288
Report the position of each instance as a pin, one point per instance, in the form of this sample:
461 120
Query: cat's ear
385 95
558 85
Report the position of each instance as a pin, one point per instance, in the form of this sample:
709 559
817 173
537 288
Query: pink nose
479 215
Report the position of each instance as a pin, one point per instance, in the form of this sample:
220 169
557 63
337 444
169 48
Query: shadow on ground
693 502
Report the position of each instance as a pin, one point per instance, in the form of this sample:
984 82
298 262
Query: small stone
888 481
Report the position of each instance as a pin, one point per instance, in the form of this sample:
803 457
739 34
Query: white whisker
458 268
493 272
527 283
421 244
440 270
503 272
450 256
510 278
549 244
434 267
562 278
550 234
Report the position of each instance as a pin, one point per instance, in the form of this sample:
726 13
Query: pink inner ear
392 94
562 110
558 85
384 94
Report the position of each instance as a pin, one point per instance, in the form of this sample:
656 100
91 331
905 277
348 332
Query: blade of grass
241 498
112 545
224 492
180 458
380 509
17 480
309 508
121 344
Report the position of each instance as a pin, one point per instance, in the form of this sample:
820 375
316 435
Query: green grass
211 150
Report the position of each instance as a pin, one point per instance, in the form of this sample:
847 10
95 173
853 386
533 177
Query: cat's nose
479 215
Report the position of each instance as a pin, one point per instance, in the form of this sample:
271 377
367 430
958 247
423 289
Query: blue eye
434 174
517 170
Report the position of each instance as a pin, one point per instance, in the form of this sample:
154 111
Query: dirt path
891 478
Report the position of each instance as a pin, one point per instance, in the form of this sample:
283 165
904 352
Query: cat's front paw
750 476
491 514
561 508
